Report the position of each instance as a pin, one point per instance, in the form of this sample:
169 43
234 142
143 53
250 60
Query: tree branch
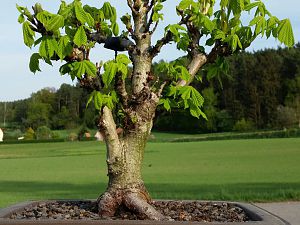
160 90
121 90
160 43
151 5
130 4
168 37
220 49
197 62
114 153
150 21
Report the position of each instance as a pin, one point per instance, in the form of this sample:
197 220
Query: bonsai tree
128 100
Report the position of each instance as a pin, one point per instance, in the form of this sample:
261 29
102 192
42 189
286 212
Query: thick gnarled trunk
125 155
125 152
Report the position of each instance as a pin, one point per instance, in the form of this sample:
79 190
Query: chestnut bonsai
128 100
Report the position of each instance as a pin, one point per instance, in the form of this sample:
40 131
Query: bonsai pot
255 215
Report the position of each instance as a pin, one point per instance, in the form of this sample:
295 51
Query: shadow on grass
234 192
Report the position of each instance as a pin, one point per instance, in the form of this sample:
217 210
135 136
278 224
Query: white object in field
99 136
1 135
20 138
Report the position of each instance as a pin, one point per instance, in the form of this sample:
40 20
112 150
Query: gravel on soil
173 210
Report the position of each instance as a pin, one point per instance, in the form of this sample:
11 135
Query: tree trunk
125 152
124 160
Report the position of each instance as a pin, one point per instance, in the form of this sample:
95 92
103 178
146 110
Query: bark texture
124 160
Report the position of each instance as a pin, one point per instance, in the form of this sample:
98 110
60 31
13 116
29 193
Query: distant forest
259 90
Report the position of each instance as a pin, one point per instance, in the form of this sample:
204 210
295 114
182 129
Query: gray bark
125 155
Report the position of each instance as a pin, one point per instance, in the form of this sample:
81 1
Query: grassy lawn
242 170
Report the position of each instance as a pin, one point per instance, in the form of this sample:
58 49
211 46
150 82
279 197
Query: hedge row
291 133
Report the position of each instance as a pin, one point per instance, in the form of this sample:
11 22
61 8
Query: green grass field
241 170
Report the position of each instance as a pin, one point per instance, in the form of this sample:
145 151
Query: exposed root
136 200
108 204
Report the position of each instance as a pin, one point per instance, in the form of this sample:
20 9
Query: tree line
259 90
64 108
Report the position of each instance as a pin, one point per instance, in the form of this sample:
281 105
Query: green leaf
285 33
196 97
79 69
70 32
157 16
183 73
91 98
67 68
20 8
122 68
56 22
84 67
64 9
172 91
165 103
235 42
109 102
107 10
224 3
80 37
80 14
121 58
174 29
21 18
260 23
126 19
90 20
184 4
158 6
185 92
111 69
248 7
219 35
47 47
255 20
64 47
113 17
98 100
271 25
208 24
90 68
197 112
44 17
34 64
115 29
28 34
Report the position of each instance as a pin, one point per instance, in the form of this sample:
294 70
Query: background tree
130 100
40 107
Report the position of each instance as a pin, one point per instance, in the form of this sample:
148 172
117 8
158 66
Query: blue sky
17 82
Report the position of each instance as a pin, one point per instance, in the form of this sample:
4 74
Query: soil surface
173 210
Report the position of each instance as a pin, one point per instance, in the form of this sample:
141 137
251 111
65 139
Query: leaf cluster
65 31
186 97
225 25
112 69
